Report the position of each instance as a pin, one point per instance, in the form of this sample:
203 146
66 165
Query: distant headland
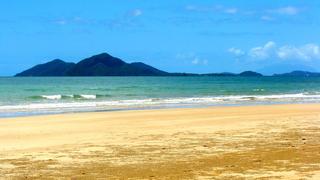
106 65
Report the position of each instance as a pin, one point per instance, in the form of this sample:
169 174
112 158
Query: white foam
136 103
88 96
52 97
258 90
289 96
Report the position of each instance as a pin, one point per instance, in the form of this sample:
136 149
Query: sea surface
21 96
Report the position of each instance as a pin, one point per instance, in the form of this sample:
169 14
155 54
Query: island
106 65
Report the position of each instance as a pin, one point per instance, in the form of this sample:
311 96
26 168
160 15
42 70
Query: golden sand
256 142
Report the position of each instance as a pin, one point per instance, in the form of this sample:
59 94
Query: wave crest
52 97
72 96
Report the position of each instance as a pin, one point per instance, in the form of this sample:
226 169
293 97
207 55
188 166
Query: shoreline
195 106
272 141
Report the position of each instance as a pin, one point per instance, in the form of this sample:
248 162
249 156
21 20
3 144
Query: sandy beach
249 142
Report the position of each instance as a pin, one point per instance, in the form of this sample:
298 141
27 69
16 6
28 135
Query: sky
269 36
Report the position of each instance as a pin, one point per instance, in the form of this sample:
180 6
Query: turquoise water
46 95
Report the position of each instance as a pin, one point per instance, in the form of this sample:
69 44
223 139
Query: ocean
21 96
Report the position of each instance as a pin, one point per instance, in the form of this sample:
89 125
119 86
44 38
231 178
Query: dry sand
257 142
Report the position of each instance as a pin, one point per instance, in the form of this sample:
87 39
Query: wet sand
254 142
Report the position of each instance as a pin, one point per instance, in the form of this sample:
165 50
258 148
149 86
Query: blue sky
177 36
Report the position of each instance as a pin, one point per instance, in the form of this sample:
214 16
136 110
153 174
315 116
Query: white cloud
236 51
305 52
185 55
136 12
214 8
267 18
61 22
191 58
231 10
262 52
191 8
288 10
195 61
74 20
198 61
270 50
127 20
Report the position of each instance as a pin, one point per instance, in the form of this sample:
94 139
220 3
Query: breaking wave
93 103
72 96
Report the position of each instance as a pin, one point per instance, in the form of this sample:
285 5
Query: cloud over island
305 52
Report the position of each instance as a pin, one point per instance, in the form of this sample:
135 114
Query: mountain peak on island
107 65
98 65
55 61
250 73
56 67
105 58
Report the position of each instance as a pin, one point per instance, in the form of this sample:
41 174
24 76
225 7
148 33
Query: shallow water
46 95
